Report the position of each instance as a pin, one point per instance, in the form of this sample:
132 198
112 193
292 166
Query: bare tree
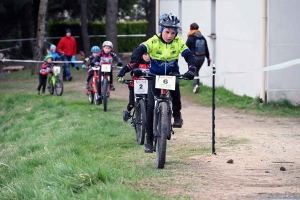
40 34
84 26
150 16
111 23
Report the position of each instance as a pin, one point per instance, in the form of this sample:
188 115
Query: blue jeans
66 72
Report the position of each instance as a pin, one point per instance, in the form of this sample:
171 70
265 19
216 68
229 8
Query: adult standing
67 48
198 45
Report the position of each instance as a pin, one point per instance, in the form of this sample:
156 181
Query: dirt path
258 146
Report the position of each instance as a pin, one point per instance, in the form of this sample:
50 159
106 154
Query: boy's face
106 49
146 57
49 60
168 35
53 50
94 54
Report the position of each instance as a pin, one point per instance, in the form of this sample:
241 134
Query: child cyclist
106 56
164 50
95 50
45 69
144 65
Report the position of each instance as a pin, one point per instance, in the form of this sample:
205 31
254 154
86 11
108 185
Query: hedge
125 44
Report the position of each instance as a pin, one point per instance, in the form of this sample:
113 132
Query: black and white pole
213 109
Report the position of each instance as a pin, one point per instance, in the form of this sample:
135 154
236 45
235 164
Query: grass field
63 148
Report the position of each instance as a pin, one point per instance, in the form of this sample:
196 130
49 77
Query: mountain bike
55 83
138 118
92 92
162 115
104 77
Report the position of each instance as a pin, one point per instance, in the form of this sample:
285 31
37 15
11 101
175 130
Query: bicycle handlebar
149 75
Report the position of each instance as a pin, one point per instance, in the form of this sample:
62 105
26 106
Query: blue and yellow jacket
163 56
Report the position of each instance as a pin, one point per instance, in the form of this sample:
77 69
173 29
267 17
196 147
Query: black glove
189 75
119 64
137 72
77 67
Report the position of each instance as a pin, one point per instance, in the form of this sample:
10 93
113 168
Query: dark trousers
42 82
198 67
152 91
90 75
131 98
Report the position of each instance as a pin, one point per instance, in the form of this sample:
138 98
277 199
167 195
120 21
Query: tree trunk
40 34
111 23
151 20
84 27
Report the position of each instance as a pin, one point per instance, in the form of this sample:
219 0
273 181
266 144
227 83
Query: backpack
199 46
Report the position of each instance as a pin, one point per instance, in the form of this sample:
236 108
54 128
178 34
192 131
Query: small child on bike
45 69
143 65
95 50
106 56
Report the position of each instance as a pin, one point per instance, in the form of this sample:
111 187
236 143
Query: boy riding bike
164 50
45 69
106 56
95 50
144 65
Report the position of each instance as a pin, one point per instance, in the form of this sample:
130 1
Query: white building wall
238 42
284 45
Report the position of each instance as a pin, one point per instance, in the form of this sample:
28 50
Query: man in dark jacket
198 45
67 49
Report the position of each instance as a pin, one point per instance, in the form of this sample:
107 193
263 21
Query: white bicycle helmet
107 43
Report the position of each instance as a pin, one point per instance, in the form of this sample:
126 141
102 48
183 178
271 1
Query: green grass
64 148
227 99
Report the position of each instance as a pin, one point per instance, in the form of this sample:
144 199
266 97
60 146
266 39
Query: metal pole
213 109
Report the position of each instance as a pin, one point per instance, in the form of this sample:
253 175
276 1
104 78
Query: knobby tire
140 121
163 130
59 87
104 94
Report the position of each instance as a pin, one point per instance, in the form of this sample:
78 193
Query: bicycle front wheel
140 121
104 93
163 130
50 85
59 87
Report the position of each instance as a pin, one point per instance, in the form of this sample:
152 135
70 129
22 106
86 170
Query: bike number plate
96 68
165 82
141 86
56 70
105 68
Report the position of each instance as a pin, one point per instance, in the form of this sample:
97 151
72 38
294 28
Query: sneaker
126 115
196 89
87 85
112 87
149 145
178 121
99 99
43 93
39 93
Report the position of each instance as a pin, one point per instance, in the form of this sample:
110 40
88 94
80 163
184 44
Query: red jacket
67 45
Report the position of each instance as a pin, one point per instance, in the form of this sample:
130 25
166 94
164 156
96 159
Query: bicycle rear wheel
50 86
163 129
104 93
59 87
140 121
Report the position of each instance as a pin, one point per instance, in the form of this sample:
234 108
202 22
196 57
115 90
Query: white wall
284 45
169 6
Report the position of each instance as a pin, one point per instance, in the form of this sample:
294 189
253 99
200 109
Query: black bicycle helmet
169 20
